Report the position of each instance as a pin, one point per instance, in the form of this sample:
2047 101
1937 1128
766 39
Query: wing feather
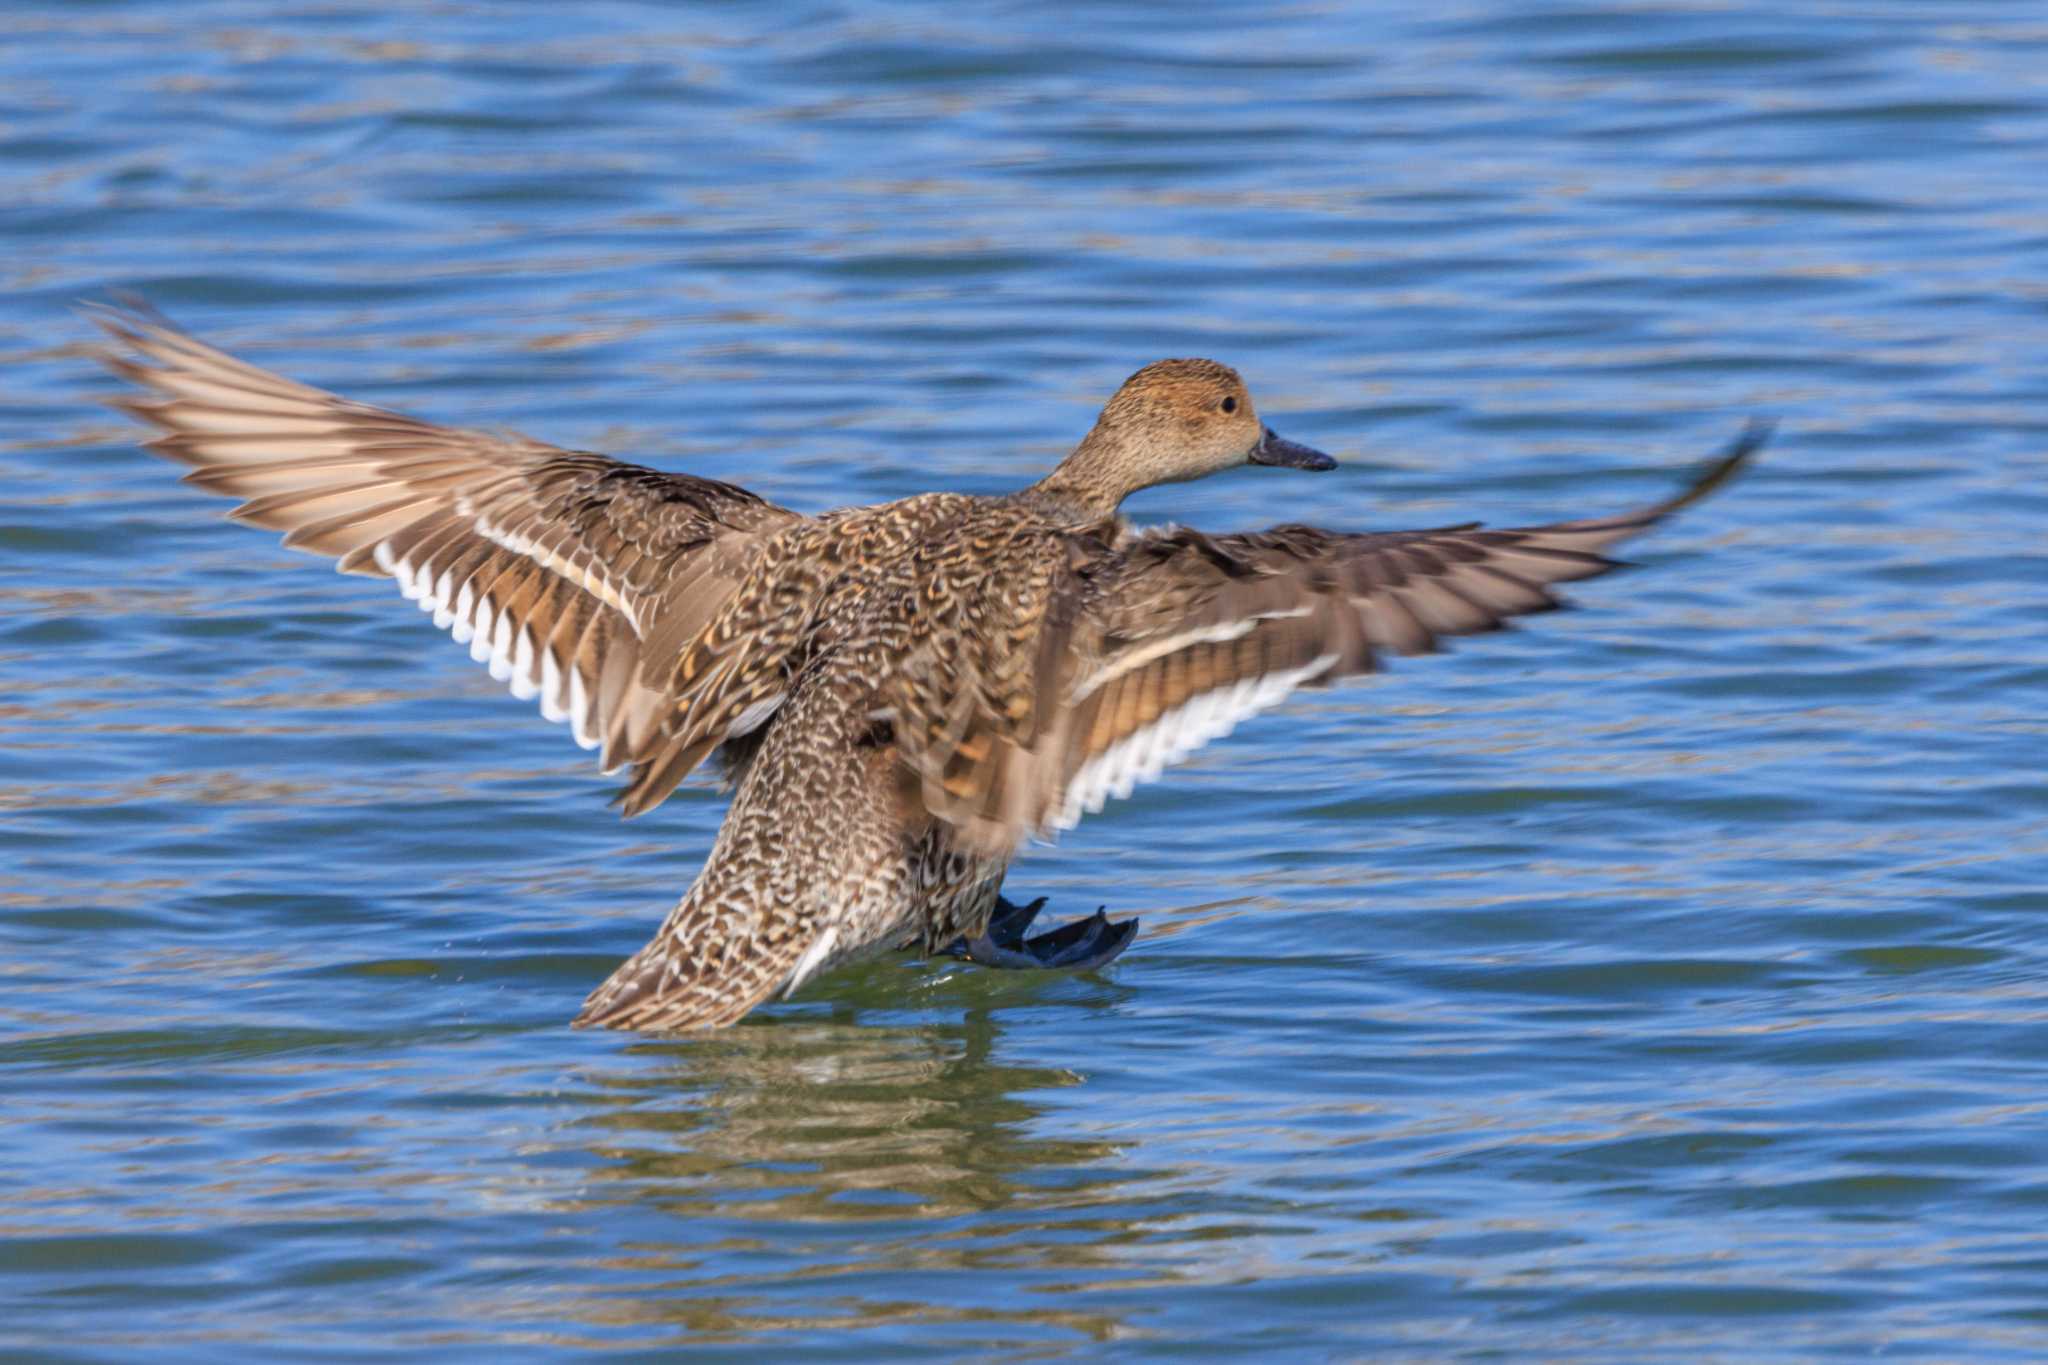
1158 643
575 577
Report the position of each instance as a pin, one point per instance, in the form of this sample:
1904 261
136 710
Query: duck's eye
1230 405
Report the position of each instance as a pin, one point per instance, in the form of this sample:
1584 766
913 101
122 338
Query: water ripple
1660 980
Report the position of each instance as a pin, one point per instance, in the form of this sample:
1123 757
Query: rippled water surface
1665 980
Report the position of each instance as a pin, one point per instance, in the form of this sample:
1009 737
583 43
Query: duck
899 696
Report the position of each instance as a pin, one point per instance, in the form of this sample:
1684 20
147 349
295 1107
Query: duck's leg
1079 946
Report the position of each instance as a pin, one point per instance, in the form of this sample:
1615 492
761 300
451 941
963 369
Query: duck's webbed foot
1079 946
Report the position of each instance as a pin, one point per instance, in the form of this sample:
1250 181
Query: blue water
1663 981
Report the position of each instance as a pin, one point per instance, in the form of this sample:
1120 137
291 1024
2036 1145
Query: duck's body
898 694
825 855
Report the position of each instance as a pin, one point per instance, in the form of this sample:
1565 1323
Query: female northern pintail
898 694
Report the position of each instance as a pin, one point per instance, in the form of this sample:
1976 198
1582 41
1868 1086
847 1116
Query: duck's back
897 594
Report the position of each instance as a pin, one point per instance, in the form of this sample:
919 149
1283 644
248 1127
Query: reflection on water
925 1114
852 1153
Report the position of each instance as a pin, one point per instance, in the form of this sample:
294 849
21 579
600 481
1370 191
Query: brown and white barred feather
576 578
1142 650
804 591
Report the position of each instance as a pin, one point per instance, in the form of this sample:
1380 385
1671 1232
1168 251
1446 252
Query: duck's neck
1092 481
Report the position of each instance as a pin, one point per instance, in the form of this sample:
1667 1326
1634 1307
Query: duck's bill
1274 449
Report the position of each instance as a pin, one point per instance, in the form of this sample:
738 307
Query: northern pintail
898 695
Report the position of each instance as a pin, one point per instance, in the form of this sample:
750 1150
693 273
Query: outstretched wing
1144 653
576 577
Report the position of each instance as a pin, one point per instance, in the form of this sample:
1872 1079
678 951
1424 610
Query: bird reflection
830 1146
923 1111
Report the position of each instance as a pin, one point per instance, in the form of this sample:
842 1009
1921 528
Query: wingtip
1755 434
121 313
129 322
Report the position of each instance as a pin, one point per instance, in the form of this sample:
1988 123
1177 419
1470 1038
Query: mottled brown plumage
899 694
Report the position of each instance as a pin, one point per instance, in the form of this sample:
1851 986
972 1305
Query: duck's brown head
1172 421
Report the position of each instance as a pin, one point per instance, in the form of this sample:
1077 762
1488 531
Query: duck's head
1173 421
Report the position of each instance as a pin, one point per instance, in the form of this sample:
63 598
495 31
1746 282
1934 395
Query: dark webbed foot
1079 946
